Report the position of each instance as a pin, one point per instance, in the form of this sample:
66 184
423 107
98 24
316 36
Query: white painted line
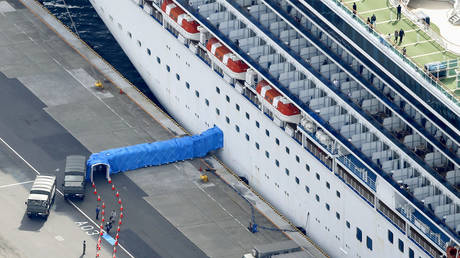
22 183
220 205
418 42
71 203
375 10
429 54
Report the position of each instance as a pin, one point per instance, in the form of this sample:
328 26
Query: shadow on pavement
31 224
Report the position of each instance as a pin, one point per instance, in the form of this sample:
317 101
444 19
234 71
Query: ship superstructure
341 137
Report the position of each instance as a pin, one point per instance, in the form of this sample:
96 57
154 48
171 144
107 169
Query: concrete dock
51 109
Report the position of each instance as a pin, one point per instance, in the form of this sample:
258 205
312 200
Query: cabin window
227 119
149 52
317 176
217 111
297 180
277 141
257 145
297 158
197 94
247 116
369 243
337 215
286 171
287 150
337 193
328 207
277 163
217 90
411 253
158 60
168 68
359 234
307 167
267 154
328 186
307 189
267 132
237 107
130 35
237 128
177 76
247 137
207 102
227 98
401 245
257 124
317 198
348 224
390 236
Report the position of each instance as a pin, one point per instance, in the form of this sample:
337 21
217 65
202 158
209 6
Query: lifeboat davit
231 64
182 22
278 104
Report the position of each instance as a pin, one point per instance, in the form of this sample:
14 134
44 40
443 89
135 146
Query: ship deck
421 48
51 109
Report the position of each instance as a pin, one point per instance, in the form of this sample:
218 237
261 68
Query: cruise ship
350 141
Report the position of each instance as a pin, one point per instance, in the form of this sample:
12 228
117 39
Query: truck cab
41 196
74 177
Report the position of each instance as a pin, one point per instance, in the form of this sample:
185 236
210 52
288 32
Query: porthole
149 52
177 76
139 43
217 90
207 102
237 128
297 180
286 171
197 94
158 60
130 35
187 85
168 68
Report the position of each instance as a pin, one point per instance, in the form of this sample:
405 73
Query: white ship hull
333 228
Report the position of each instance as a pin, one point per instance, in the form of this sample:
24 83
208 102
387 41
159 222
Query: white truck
41 196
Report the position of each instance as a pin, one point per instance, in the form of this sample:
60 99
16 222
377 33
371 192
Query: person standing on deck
401 35
354 8
396 36
398 12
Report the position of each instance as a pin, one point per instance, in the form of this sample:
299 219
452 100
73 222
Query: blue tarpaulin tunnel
153 154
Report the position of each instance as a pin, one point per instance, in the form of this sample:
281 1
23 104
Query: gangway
153 154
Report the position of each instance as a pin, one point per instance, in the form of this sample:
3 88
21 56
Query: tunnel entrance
100 169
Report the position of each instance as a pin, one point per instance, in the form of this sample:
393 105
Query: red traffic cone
97 254
121 215
102 233
116 236
103 219
118 229
119 222
116 242
103 205
117 194
201 170
121 91
93 185
121 207
113 187
103 212
110 180
98 198
95 192
102 227
119 201
114 249
114 256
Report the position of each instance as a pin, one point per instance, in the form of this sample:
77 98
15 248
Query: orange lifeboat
185 24
279 105
232 65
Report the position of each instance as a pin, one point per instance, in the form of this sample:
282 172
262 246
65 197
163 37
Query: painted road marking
22 183
90 230
59 191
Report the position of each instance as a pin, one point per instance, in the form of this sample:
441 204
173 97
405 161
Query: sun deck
421 48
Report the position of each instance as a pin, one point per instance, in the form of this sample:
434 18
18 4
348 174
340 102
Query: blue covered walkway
152 154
